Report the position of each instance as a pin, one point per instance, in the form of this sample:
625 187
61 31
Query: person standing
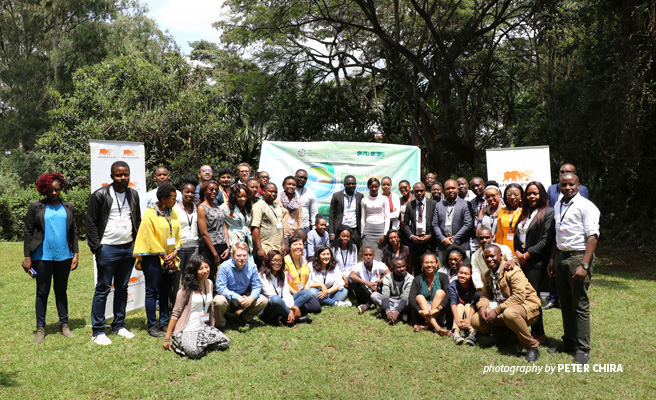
345 210
113 219
508 216
577 230
418 226
225 182
393 201
156 250
253 190
162 177
553 192
51 250
429 180
266 224
463 189
452 221
308 200
375 218
291 206
476 206
214 239
205 174
244 170
263 180
238 215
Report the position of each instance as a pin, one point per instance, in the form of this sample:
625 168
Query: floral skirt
195 344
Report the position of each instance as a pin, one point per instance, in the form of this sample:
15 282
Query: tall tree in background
438 60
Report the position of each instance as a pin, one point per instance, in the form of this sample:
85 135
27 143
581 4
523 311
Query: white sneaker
347 303
125 333
102 340
343 303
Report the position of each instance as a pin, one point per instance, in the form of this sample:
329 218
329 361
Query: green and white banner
327 163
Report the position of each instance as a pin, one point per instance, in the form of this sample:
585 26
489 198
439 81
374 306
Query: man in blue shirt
554 193
238 288
554 190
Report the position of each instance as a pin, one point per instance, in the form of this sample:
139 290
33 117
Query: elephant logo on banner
518 176
105 152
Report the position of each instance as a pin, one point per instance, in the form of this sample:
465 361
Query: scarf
425 291
291 205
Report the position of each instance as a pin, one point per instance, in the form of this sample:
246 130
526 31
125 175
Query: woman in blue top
50 250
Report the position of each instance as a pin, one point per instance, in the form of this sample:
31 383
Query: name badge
122 224
205 318
291 221
510 236
421 228
300 286
170 242
448 222
279 225
493 305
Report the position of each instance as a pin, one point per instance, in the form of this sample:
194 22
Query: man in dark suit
452 221
418 225
345 210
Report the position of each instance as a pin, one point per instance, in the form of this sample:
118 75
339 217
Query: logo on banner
301 152
518 176
127 153
321 179
105 153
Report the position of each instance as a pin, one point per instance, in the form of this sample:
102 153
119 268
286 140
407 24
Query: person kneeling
191 330
366 277
396 291
238 286
462 299
509 300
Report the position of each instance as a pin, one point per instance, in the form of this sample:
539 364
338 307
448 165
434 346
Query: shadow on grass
74 324
8 378
627 262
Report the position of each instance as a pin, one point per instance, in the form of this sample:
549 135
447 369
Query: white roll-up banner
519 165
103 154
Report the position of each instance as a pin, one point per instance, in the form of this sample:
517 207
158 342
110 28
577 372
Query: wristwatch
585 266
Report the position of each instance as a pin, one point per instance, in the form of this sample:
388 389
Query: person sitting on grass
428 296
365 279
191 330
507 300
238 286
396 291
326 281
462 299
283 308
298 274
318 236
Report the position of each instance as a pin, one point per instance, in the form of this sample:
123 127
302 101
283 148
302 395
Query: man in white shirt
161 177
463 189
113 218
577 231
308 200
479 267
366 278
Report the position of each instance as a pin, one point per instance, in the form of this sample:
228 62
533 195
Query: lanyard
168 219
299 270
274 212
203 294
325 274
275 285
349 199
563 213
344 256
511 219
120 206
190 220
449 211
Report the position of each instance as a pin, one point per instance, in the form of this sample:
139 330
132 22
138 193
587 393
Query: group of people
456 261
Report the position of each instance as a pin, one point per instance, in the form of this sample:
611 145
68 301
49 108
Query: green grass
342 355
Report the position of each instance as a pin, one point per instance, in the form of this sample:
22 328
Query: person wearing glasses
508 216
205 174
244 170
50 249
263 179
487 217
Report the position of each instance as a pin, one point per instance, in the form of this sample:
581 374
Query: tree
438 61
182 120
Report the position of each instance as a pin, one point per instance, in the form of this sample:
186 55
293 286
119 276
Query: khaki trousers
514 317
221 305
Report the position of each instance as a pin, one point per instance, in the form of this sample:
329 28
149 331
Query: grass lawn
341 355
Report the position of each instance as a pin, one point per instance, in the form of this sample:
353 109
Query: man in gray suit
452 221
418 225
345 210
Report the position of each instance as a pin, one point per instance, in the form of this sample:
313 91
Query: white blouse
375 210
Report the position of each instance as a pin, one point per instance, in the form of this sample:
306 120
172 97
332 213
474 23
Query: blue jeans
113 262
330 300
153 272
278 308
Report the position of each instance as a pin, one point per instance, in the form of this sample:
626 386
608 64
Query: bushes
14 203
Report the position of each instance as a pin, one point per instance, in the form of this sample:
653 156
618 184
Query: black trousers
46 272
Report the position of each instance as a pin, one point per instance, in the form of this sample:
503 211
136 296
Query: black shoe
164 327
532 355
560 349
581 358
550 305
304 319
155 332
246 323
